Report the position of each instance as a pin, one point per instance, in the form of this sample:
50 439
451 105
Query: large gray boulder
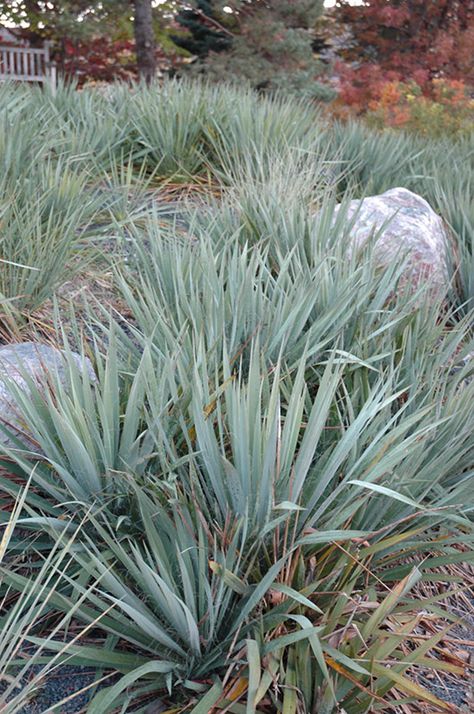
408 227
23 362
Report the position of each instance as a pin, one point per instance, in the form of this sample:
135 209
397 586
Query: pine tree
270 47
205 29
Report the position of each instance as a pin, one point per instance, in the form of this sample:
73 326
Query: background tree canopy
268 44
77 23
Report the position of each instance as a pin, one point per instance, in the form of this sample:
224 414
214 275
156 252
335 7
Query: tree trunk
144 40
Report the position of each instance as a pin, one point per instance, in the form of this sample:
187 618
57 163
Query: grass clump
247 484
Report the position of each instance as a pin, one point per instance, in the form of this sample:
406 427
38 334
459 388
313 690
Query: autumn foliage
409 65
426 38
447 108
103 59
99 59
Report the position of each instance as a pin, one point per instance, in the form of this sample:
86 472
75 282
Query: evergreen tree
205 28
271 46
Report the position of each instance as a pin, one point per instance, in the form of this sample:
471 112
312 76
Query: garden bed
252 490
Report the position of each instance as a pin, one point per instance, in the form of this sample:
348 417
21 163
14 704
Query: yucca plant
259 132
252 532
220 290
90 429
328 639
372 162
167 128
83 432
276 272
22 146
44 219
29 611
217 486
453 192
92 130
275 447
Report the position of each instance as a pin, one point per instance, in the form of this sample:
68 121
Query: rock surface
411 228
34 361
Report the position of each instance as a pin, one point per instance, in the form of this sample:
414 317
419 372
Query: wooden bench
27 64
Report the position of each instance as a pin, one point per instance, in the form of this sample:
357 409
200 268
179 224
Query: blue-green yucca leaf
84 432
106 698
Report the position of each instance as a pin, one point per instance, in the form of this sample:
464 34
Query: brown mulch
455 649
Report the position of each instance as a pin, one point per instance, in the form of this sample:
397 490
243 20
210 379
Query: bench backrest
27 64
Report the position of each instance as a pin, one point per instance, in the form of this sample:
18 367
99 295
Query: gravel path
59 686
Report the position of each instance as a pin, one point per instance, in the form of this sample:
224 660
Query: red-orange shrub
445 107
408 42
